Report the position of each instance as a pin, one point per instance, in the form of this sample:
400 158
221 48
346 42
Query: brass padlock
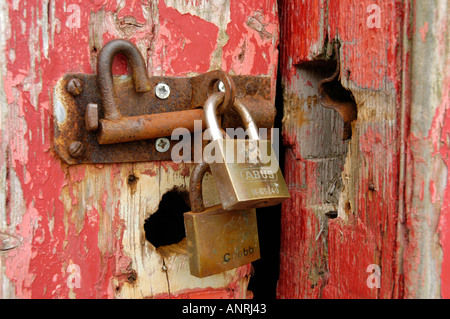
246 171
217 240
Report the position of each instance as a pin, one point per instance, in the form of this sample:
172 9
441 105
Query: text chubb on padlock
217 240
246 171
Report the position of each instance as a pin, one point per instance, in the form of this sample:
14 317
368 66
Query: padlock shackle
105 74
195 187
210 108
247 119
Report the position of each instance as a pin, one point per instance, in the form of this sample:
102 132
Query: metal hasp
111 119
333 96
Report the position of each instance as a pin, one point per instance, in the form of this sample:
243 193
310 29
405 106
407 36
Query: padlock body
246 173
219 240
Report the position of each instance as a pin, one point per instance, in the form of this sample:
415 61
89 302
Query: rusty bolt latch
117 129
128 119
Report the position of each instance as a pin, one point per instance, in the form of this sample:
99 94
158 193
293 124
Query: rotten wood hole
165 226
334 96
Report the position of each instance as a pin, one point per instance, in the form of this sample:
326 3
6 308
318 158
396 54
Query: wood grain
81 228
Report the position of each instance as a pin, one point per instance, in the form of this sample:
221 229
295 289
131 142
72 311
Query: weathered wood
426 260
86 222
393 204
323 258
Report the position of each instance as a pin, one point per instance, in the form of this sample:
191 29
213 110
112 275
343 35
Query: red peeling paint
38 267
302 269
443 148
307 25
233 291
62 238
252 32
301 31
253 39
185 43
133 8
103 4
370 47
351 251
197 293
423 31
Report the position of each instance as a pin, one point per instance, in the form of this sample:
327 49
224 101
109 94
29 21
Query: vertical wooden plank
81 228
313 165
426 255
338 253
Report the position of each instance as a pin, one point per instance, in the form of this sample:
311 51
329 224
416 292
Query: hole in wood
166 225
332 214
132 181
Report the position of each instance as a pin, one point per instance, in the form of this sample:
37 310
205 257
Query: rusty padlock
246 171
217 240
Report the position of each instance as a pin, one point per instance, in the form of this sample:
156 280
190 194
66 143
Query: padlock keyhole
166 225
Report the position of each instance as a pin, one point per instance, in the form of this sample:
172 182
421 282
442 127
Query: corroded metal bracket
79 112
109 119
333 96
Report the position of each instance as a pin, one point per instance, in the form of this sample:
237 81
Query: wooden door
79 231
368 216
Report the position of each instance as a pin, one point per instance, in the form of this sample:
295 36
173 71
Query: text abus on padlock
246 171
217 240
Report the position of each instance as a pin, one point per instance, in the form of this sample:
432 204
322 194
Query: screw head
75 87
221 86
162 91
76 149
162 144
251 88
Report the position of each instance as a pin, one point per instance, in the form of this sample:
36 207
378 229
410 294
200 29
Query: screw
162 145
76 149
221 86
371 186
75 87
162 91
